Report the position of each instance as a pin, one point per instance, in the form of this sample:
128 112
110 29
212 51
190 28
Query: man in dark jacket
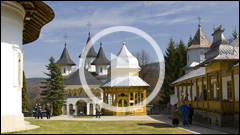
97 111
48 110
190 113
36 110
39 110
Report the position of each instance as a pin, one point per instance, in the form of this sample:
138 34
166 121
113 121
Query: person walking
36 110
39 110
190 114
175 118
184 109
97 111
48 110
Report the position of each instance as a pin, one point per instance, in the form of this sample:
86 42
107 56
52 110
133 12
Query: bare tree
149 72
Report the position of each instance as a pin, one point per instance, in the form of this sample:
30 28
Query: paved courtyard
197 127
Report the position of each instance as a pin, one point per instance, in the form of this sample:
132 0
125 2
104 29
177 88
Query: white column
87 108
67 109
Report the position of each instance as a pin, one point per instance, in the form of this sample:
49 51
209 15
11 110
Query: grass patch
101 127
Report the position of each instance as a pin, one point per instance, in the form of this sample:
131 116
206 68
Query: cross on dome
65 36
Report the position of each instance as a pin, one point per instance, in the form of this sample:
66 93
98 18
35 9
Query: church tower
91 55
65 62
196 52
101 62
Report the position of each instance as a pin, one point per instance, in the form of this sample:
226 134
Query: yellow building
124 88
211 86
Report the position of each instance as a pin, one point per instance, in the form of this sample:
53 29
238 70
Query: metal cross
199 19
65 36
89 25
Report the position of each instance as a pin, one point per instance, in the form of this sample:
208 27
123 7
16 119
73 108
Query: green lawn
101 127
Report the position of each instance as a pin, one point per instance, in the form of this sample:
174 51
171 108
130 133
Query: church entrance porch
81 108
122 104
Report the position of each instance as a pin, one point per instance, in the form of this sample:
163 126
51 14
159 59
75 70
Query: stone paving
196 127
28 126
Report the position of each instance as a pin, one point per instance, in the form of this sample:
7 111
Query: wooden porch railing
214 106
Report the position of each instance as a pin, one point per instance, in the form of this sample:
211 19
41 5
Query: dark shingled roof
91 52
75 78
101 58
65 58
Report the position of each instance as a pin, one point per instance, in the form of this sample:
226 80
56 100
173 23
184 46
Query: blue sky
160 19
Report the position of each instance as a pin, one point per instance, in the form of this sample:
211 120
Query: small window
64 70
101 70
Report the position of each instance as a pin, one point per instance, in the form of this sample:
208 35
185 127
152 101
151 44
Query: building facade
77 101
211 86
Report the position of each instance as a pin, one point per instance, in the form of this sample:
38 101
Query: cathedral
97 73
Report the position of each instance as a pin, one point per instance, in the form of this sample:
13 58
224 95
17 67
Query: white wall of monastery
12 15
11 47
196 55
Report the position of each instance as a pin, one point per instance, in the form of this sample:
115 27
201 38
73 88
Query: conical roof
101 58
65 58
91 52
124 59
74 79
200 40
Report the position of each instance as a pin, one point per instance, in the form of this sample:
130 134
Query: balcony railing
228 107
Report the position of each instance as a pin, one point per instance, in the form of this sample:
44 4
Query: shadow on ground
156 125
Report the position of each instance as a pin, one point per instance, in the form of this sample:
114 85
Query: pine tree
181 54
234 35
57 107
170 72
53 86
24 94
190 40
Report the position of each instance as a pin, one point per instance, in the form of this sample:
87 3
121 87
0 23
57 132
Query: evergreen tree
57 106
53 86
170 72
234 35
190 40
24 94
181 56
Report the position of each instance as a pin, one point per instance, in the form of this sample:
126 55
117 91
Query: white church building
95 69
21 22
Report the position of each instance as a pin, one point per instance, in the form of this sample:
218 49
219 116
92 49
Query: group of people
185 111
38 110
